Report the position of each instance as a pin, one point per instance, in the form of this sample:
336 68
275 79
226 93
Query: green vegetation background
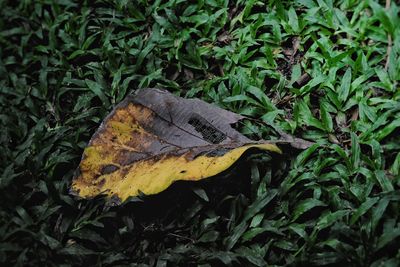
323 70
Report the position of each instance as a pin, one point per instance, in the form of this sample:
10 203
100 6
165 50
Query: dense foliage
323 70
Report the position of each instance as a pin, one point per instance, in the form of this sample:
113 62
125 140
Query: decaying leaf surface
154 138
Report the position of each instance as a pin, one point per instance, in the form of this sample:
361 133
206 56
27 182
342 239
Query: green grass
323 70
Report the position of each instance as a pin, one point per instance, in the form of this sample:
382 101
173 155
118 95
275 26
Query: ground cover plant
326 71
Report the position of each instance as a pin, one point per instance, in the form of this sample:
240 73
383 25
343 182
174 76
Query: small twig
296 46
221 70
389 46
180 236
387 6
303 79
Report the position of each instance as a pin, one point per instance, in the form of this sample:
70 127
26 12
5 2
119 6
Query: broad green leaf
293 20
388 236
383 181
237 233
259 204
307 117
344 89
330 218
395 169
388 129
362 209
378 212
304 206
355 151
98 90
201 193
326 117
208 237
303 156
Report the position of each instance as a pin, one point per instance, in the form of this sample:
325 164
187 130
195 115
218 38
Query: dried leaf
154 138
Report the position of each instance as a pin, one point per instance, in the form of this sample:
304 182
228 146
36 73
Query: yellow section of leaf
152 177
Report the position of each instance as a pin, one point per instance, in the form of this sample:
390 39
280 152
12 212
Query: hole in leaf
207 131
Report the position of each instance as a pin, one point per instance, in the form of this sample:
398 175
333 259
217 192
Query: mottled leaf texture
154 138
